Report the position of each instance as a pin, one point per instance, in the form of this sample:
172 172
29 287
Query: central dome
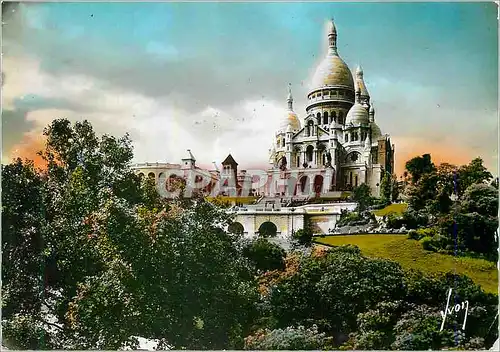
332 71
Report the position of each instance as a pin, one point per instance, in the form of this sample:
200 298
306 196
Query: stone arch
268 229
325 118
318 184
236 228
141 175
303 183
333 116
152 175
352 157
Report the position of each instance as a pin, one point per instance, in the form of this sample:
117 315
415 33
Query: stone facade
338 136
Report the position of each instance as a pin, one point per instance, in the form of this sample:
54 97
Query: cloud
214 91
161 129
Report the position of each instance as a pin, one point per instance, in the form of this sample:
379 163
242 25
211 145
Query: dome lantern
332 70
290 118
332 37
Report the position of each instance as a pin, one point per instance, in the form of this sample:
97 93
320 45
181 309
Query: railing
155 165
329 98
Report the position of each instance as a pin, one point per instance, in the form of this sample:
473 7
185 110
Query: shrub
288 339
427 243
394 221
265 255
303 237
347 218
413 235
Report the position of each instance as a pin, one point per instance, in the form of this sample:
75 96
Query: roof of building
360 83
229 161
357 115
332 71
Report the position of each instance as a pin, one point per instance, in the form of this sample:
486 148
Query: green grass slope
398 208
411 255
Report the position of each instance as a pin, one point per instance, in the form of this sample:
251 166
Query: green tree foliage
93 256
423 191
265 255
395 188
362 196
419 166
474 172
304 236
289 338
332 290
446 174
385 188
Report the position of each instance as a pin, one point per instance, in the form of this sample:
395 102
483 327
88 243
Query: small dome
357 115
291 119
376 132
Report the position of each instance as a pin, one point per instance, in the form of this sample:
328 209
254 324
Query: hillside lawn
410 255
398 209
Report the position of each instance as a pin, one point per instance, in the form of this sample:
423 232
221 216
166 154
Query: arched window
298 160
325 118
333 116
356 181
347 137
310 125
324 159
341 117
309 153
318 118
283 142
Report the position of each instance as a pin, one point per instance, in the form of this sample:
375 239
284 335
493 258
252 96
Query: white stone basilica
338 145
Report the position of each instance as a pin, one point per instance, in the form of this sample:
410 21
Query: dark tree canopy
419 166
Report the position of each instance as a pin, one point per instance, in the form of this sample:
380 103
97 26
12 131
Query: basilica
337 137
336 146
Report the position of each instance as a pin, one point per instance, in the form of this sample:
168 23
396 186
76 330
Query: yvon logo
456 309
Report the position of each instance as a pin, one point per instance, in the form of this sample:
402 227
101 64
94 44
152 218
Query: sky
213 77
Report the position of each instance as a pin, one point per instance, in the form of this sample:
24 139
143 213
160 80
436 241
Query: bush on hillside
265 255
302 237
289 338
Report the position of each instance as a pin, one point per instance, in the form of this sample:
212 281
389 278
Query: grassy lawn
411 255
398 208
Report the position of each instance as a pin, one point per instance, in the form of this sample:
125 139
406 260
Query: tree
362 196
288 339
395 189
330 291
385 187
425 190
472 173
265 255
446 174
93 256
419 166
